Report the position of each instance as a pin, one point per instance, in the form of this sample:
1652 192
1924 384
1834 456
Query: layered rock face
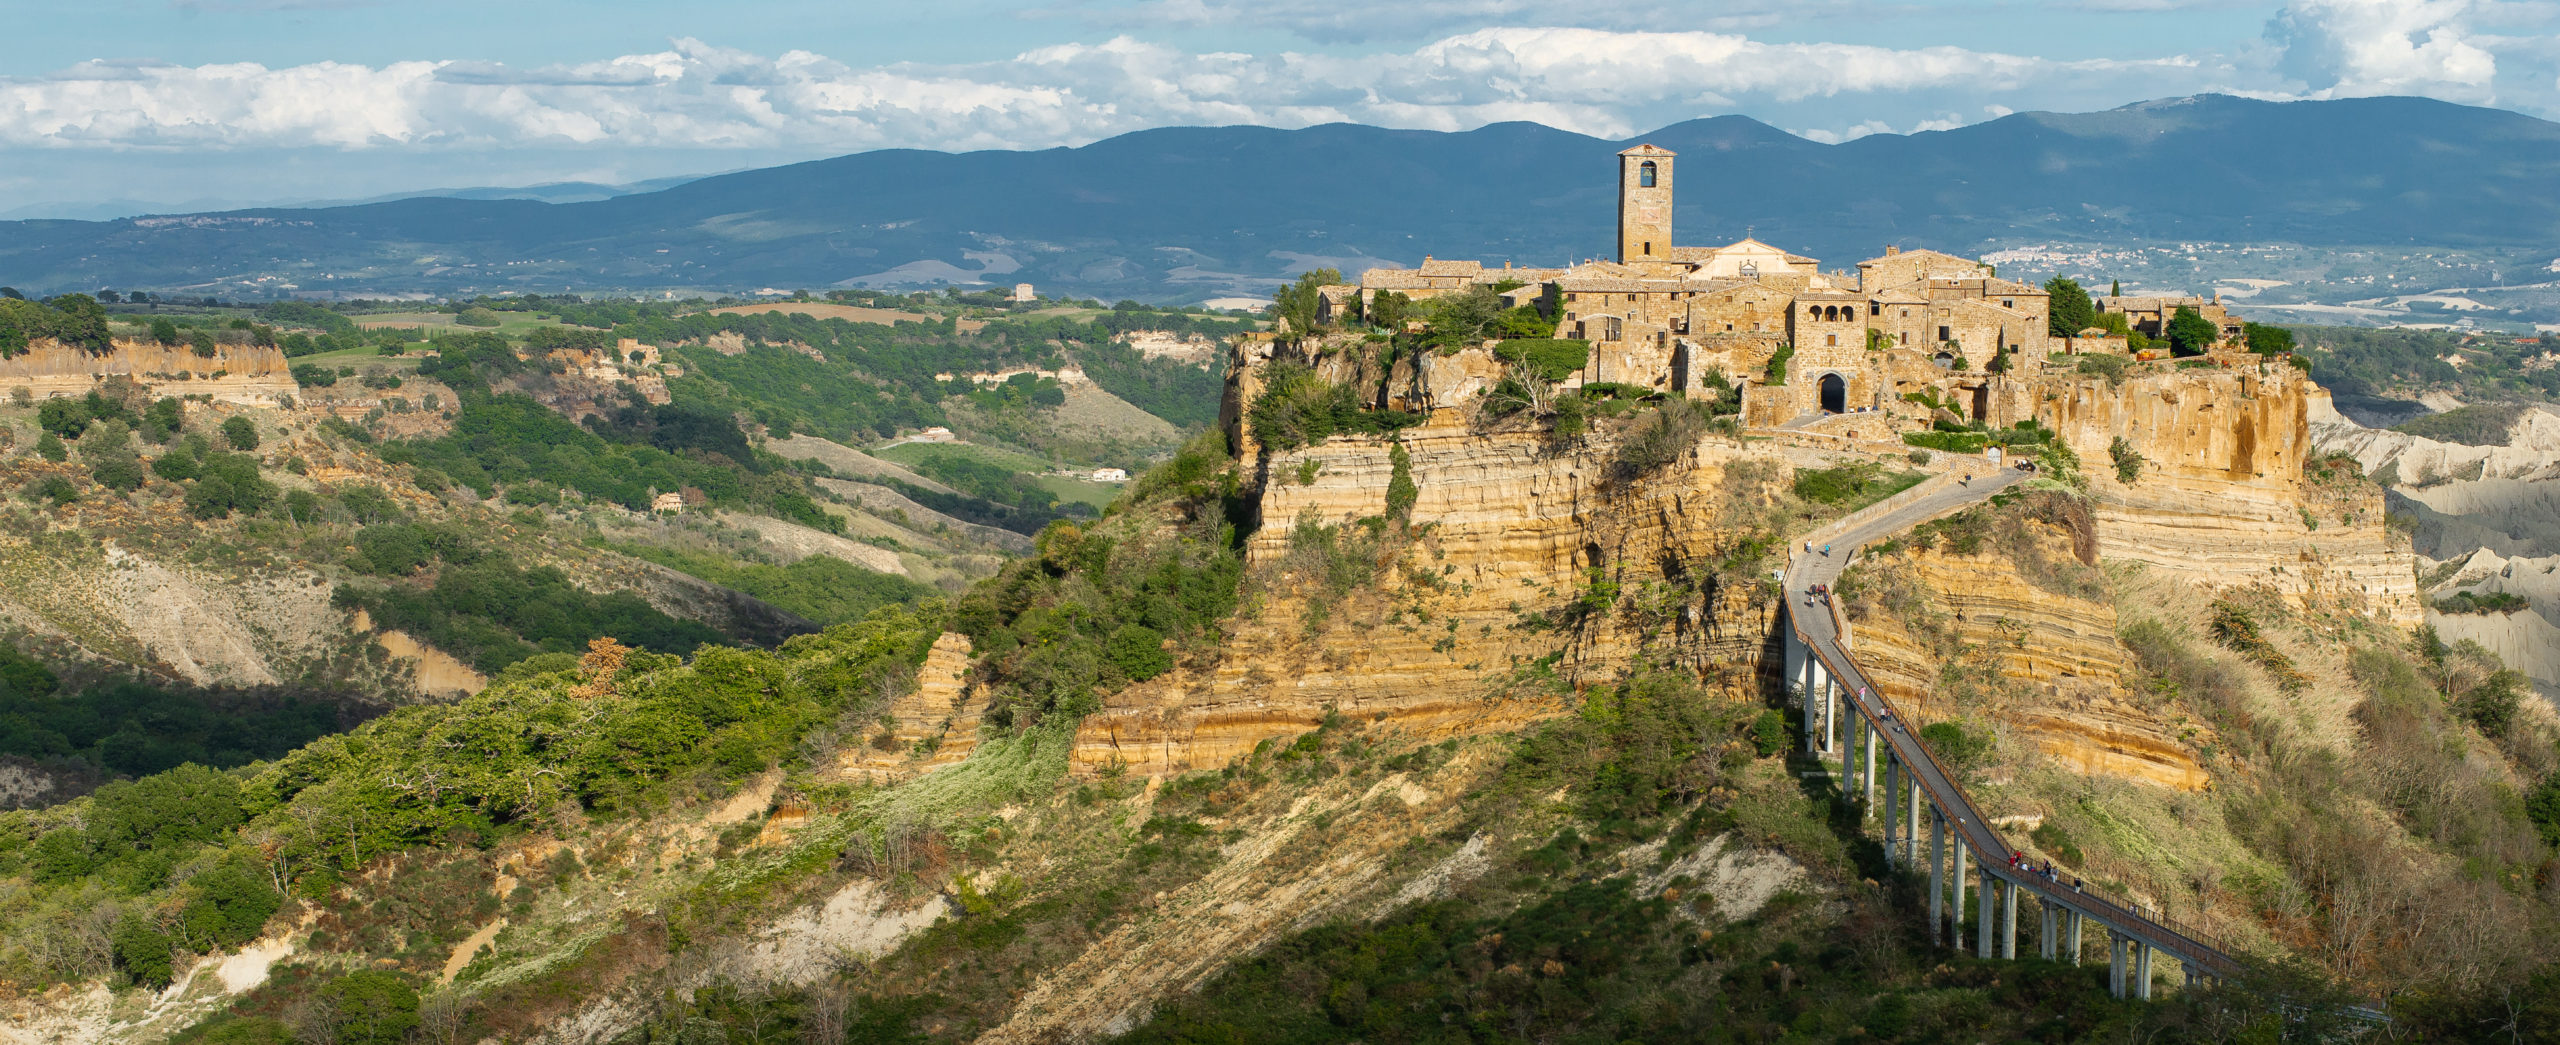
2068 697
2223 498
931 726
1508 529
242 374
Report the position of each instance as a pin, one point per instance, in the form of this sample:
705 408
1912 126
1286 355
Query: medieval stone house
1662 315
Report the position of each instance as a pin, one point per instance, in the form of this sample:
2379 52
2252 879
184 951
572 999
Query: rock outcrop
2224 497
929 727
247 375
2057 651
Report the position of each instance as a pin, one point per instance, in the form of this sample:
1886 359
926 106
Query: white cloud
696 95
2346 48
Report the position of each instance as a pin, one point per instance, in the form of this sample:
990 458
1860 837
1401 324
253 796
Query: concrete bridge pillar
2074 942
2009 919
1830 710
2115 963
1957 874
1892 811
1984 914
1847 777
1911 811
1937 879
1867 779
2142 971
2045 942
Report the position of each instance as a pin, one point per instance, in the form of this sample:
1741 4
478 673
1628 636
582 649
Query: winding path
1820 657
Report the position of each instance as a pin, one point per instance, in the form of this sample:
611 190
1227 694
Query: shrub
2052 839
1951 442
313 375
2128 460
1662 437
63 417
240 432
49 446
1959 749
371 1007
1776 371
1138 651
1769 733
1299 408
2482 602
201 342
122 474
1401 491
477 317
142 951
1550 359
52 488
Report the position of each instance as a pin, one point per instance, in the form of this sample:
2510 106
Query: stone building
1662 315
2151 315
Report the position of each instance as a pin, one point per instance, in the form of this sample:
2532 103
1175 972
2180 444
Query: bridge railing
2209 946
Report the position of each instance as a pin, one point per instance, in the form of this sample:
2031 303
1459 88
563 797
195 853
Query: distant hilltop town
1662 315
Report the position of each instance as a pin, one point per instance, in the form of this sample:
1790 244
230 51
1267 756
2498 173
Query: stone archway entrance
1835 394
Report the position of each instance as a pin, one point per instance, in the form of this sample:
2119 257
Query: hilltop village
1662 316
2199 461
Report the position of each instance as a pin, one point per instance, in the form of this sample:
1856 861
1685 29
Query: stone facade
2151 316
1661 315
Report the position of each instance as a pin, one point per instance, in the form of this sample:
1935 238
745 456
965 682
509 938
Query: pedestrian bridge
1893 782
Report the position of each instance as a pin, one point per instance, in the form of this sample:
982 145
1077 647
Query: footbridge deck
1837 693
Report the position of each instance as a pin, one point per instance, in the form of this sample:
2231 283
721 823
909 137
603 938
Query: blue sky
179 103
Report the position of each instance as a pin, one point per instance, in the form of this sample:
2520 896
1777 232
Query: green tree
1138 651
2190 334
164 332
63 417
240 432
372 1007
202 343
49 446
81 322
1401 491
142 951
2267 340
1299 302
2072 311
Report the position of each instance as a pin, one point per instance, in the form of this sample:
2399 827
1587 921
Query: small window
1644 179
1648 248
2008 304
1831 339
1945 335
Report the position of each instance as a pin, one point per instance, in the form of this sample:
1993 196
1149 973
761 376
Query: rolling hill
1192 212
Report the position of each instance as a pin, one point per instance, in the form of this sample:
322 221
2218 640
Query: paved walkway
1815 625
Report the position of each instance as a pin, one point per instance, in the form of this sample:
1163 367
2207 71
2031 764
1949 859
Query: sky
193 104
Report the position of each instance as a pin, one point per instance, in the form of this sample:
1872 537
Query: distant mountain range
1195 212
547 192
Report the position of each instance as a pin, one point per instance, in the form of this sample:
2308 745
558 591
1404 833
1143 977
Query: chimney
1891 250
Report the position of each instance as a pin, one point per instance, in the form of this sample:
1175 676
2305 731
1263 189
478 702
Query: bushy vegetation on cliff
2366 361
192 859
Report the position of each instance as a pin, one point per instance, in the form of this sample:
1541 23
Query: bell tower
1644 204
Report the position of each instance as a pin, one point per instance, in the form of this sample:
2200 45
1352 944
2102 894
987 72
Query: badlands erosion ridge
1454 684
